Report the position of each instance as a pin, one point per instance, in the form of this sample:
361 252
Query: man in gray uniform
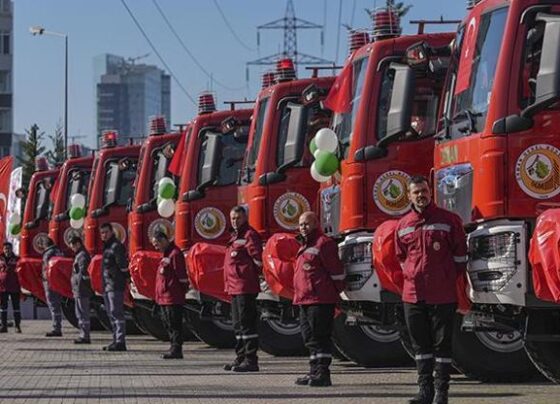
115 277
81 288
54 300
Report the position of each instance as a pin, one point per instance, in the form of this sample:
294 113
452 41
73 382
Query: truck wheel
152 324
281 339
368 345
491 356
69 311
544 354
214 332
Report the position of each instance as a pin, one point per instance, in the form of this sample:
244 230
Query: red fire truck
35 229
208 162
496 162
110 193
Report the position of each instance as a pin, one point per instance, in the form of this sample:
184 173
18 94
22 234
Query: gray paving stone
34 369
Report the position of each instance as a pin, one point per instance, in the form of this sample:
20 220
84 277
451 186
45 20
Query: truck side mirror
209 169
400 110
192 195
61 217
295 141
548 77
104 211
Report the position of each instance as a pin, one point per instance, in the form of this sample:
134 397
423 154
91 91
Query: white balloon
166 207
15 218
316 153
316 176
326 140
77 224
78 201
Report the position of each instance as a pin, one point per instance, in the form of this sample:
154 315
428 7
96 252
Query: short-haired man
242 268
9 287
115 277
54 300
318 280
171 287
431 246
81 288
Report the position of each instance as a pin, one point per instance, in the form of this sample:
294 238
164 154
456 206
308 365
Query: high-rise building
6 76
128 94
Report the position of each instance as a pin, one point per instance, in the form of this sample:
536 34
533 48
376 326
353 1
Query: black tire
69 311
545 355
152 324
216 333
281 339
369 346
491 357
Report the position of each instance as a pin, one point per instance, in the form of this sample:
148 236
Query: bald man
318 280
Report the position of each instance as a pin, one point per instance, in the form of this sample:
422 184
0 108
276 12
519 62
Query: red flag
5 173
340 96
54 189
467 54
175 164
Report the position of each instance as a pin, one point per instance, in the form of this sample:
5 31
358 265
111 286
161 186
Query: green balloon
312 146
326 163
77 213
15 229
167 191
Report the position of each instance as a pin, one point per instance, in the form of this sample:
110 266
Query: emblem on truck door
389 192
287 209
210 223
537 171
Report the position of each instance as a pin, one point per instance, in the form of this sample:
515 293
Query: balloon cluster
323 147
77 211
14 224
166 193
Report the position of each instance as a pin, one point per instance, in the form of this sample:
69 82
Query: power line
189 96
191 55
231 28
338 30
353 12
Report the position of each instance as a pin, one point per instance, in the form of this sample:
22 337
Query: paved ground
34 369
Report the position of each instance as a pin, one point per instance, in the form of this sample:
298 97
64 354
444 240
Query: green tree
56 155
32 148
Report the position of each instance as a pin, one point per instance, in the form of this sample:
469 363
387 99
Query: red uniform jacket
319 273
9 281
243 262
171 277
432 249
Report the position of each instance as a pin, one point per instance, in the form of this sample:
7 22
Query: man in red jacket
318 280
431 246
242 268
171 286
9 287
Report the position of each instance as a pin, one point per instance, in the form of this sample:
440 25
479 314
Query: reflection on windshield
119 180
77 184
343 124
253 151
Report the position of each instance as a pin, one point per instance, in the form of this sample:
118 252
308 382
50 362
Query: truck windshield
160 159
42 198
231 156
472 72
77 184
343 124
424 108
119 180
253 150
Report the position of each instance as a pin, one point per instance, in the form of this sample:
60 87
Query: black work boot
442 377
3 328
118 347
304 380
54 334
176 352
236 362
425 394
248 365
321 379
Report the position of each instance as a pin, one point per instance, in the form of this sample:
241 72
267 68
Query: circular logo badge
537 171
40 242
389 192
70 233
437 246
288 208
120 231
161 225
210 223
